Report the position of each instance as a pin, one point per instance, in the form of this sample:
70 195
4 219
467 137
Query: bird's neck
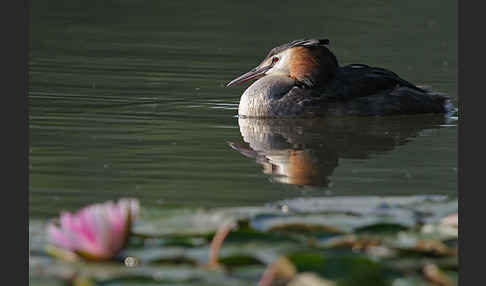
314 66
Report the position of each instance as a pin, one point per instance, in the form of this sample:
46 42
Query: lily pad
192 222
345 269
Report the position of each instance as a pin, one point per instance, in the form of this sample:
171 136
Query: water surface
127 98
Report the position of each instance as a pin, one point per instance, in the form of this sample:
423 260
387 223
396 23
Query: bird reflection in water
305 152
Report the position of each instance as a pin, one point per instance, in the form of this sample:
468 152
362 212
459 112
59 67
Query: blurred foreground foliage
311 241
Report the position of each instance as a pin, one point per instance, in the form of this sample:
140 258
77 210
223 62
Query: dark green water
127 99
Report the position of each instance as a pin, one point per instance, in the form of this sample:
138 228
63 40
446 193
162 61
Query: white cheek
281 66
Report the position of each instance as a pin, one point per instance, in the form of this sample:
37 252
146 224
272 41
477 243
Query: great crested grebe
303 78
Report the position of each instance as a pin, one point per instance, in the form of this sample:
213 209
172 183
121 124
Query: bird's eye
274 60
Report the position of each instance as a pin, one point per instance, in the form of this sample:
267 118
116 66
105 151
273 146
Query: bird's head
308 62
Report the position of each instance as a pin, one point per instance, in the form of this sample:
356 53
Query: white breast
258 97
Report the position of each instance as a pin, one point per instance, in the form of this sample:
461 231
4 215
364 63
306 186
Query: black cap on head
296 43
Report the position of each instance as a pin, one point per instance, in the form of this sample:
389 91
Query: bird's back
358 80
363 90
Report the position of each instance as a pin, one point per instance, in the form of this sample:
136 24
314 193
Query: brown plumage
313 66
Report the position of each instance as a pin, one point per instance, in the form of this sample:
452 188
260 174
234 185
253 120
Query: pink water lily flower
97 232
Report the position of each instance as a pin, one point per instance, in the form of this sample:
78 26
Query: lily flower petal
98 231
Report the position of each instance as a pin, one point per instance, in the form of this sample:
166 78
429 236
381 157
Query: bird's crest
296 43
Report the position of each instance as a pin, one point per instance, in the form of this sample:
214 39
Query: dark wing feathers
358 80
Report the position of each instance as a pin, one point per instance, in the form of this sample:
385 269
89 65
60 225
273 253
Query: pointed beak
253 74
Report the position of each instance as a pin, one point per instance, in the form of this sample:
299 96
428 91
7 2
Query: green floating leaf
37 236
407 264
265 252
345 269
381 228
416 243
365 205
332 223
184 222
239 260
174 255
244 233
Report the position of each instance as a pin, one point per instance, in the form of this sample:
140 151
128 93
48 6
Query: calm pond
127 98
